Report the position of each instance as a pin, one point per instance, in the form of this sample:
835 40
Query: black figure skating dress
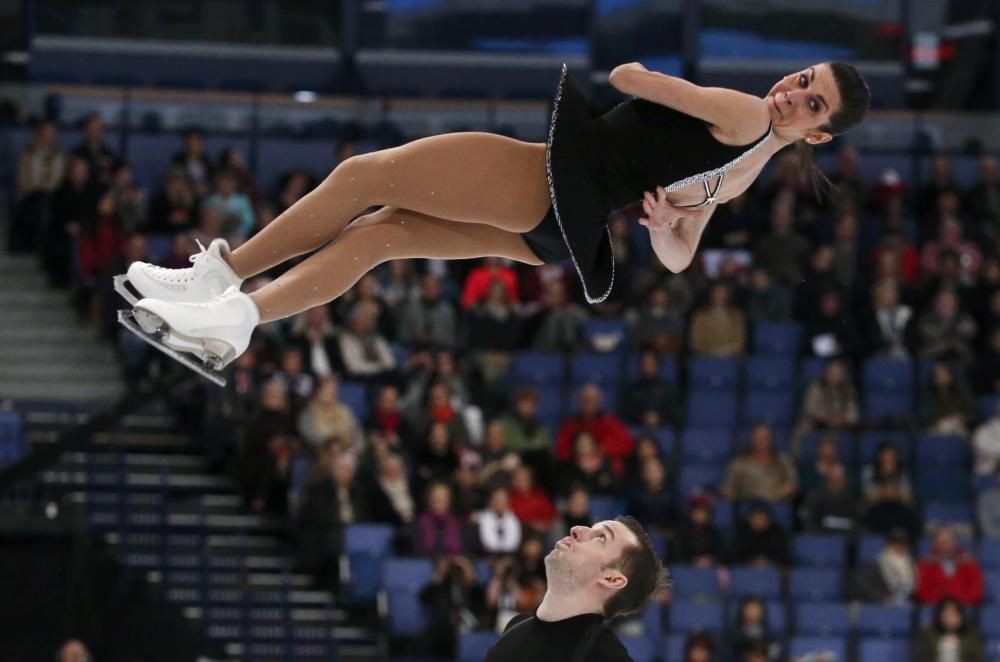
599 164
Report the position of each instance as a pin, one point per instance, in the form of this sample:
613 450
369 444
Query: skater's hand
662 215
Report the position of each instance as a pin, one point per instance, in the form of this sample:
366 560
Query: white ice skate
209 277
205 337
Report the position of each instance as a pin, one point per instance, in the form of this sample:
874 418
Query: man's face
583 557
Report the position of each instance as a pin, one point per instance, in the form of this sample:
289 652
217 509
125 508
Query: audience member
887 509
325 416
886 465
438 531
366 354
499 527
481 279
73 650
558 325
698 542
751 631
428 320
948 571
699 647
760 540
588 466
951 637
760 472
651 500
194 162
891 578
530 503
989 507
831 508
40 168
945 331
719 328
606 428
948 406
831 401
887 322
813 470
651 400
659 325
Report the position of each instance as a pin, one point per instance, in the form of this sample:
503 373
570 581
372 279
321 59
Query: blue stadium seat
989 621
819 551
988 406
869 547
882 650
640 649
949 513
947 486
604 370
699 478
652 622
885 622
675 647
815 584
763 583
707 409
888 376
810 441
774 408
668 369
366 547
776 611
696 616
882 407
403 579
406 573
810 368
776 338
706 446
606 335
472 646
550 401
869 442
803 646
822 619
767 373
355 396
942 451
603 507
665 438
689 582
539 369
713 374
992 585
989 553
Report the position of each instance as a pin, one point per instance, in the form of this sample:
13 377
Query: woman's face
585 445
803 101
652 472
888 459
951 618
699 654
753 613
439 500
941 375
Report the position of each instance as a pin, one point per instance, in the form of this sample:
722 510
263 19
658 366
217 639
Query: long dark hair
855 99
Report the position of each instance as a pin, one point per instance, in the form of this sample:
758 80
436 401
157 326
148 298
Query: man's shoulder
520 618
608 647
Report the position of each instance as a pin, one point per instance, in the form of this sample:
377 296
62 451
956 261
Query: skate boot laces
180 276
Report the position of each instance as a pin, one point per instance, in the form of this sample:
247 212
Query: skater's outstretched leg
475 178
388 234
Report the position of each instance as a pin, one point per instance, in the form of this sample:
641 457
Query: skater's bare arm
742 116
674 232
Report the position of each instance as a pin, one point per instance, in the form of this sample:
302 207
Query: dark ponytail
855 100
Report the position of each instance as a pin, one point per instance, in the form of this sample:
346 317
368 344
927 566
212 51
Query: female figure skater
469 195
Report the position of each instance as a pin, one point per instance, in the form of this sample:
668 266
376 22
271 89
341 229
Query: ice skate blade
127 319
121 282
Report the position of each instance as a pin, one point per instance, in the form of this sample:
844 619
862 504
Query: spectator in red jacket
949 572
477 285
530 503
609 430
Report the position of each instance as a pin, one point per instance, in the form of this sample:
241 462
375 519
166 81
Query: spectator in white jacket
499 528
986 444
989 509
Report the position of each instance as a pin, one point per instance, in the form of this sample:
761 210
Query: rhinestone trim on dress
718 172
555 204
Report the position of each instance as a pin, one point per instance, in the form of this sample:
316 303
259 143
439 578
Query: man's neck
556 607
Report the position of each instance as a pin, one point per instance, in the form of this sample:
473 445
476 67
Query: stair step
18 263
69 372
85 353
32 317
264 614
12 334
134 460
229 578
31 297
102 390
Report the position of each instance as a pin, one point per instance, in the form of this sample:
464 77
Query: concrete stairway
44 351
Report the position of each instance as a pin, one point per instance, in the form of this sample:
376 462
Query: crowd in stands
397 403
